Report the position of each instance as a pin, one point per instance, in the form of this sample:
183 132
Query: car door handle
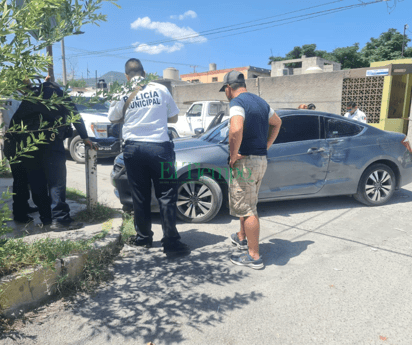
315 150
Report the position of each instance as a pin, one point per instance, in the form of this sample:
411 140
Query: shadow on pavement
153 298
196 239
288 207
278 252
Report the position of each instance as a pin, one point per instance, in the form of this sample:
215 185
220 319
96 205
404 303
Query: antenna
194 68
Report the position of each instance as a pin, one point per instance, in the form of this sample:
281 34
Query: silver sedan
316 154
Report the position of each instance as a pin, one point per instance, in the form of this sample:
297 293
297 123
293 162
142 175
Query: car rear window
337 129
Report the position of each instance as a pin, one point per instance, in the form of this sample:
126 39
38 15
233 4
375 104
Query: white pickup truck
98 127
198 117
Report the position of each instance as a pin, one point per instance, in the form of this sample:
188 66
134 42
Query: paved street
76 179
336 272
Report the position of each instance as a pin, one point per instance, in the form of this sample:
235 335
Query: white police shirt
357 115
147 114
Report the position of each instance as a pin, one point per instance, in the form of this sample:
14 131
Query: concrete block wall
324 90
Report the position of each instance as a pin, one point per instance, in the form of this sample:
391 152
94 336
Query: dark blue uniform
47 170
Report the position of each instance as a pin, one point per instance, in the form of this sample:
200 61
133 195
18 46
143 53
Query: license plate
103 148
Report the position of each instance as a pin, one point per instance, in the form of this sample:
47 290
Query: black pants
21 193
54 166
146 162
47 177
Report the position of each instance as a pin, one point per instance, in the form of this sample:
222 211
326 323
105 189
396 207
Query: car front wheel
199 200
376 185
78 149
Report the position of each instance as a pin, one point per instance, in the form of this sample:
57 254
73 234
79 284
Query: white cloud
170 30
157 49
187 14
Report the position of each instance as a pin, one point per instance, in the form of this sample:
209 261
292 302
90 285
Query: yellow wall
391 96
384 63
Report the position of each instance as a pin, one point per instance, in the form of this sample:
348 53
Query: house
215 76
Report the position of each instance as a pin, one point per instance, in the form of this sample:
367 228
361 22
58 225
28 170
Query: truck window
213 109
195 110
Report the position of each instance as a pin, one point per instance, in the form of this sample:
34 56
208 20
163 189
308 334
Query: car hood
190 144
95 117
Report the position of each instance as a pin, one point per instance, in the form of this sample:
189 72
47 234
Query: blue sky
144 26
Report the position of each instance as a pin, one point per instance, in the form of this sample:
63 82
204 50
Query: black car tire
75 150
206 200
174 133
376 186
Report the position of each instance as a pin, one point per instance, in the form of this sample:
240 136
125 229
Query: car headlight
99 130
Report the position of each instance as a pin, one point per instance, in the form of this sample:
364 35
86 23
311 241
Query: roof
219 71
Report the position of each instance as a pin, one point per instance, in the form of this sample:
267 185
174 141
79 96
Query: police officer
149 155
21 194
354 113
47 170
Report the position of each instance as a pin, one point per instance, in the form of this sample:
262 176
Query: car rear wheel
199 200
78 149
376 185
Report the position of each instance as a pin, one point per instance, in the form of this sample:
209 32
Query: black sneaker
25 219
131 241
240 244
55 225
176 248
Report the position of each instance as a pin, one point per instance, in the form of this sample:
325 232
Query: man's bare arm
235 137
274 126
173 119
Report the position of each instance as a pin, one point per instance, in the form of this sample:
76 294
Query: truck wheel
376 186
174 133
199 200
78 150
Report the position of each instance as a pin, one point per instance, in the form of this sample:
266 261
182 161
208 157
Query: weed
99 214
76 195
127 229
17 254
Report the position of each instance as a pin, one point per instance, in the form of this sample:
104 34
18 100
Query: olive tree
22 56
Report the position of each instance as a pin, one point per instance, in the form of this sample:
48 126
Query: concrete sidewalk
31 287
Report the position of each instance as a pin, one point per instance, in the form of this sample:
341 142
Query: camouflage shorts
247 175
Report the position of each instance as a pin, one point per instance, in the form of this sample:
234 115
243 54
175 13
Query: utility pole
49 50
96 79
64 64
404 36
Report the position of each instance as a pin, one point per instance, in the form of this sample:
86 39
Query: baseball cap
231 78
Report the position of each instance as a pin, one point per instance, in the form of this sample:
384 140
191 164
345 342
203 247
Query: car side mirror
199 131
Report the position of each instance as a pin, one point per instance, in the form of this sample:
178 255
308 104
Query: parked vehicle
99 129
198 117
316 154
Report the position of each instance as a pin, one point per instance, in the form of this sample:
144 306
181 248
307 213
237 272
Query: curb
31 287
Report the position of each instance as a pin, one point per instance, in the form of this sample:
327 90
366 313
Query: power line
125 57
220 30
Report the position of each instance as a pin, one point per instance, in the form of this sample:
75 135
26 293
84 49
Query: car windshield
84 106
217 133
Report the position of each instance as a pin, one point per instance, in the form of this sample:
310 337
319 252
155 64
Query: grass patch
76 195
127 229
16 254
100 213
